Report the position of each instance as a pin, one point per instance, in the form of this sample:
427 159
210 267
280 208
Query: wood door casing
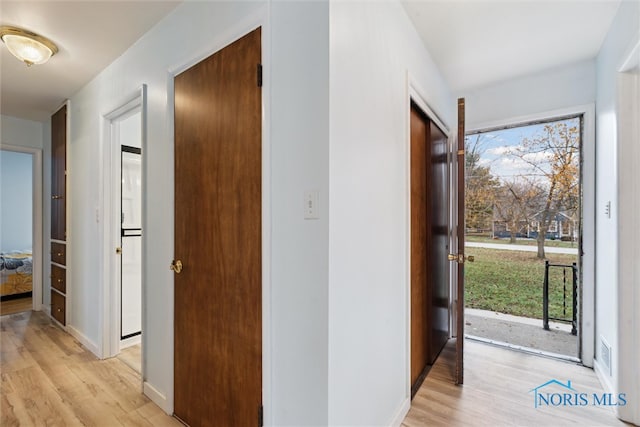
429 244
460 230
218 204
58 173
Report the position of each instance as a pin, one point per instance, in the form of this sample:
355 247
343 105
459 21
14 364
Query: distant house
562 227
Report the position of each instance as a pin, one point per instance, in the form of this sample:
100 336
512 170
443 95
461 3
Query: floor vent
605 355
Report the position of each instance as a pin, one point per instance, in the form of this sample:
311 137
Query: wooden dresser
59 215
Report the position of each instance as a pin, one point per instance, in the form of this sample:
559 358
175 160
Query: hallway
498 391
48 378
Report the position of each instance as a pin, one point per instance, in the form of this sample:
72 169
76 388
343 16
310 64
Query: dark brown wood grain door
420 293
460 230
218 293
58 173
439 240
429 244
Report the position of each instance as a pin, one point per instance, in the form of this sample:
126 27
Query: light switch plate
311 198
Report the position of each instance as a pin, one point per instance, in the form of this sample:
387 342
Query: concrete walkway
521 331
525 248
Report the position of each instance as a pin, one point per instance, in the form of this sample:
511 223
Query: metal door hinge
259 75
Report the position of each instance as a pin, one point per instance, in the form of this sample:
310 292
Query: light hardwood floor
15 306
496 391
132 357
48 378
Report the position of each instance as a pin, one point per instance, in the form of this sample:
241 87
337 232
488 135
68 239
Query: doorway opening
124 232
430 284
21 229
524 221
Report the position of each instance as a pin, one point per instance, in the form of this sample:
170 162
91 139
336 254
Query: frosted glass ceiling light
28 47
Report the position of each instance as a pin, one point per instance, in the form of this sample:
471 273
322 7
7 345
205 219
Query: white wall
299 76
624 32
16 201
295 98
21 133
373 45
191 32
554 89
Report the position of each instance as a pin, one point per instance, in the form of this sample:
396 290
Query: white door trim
628 156
109 213
587 314
37 249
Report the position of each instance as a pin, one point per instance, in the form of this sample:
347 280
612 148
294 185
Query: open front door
460 258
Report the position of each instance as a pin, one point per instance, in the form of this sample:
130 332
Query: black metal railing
574 296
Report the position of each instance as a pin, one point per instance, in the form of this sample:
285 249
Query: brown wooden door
218 293
58 173
460 230
420 304
429 244
439 240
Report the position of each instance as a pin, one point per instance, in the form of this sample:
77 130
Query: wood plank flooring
496 391
15 306
48 378
132 357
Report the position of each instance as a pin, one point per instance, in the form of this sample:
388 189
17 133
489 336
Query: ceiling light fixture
28 47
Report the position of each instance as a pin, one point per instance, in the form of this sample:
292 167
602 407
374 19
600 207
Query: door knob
176 266
460 258
119 250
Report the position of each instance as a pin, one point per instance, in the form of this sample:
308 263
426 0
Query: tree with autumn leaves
554 155
549 186
480 186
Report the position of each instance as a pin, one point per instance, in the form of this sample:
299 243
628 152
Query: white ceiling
476 43
90 35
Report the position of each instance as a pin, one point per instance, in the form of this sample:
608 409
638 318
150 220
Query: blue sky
496 146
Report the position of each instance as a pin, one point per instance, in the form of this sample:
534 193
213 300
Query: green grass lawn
527 242
511 282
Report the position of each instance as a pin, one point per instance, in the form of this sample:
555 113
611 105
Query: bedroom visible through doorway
17 235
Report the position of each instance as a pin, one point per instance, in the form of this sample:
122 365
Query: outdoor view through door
523 224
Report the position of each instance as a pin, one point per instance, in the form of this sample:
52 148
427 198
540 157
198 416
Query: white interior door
131 284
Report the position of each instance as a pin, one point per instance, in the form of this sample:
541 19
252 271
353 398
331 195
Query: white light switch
311 204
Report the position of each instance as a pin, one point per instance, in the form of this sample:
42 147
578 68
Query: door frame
37 254
414 93
587 111
628 128
110 231
244 26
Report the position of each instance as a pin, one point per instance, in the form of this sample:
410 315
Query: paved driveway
508 247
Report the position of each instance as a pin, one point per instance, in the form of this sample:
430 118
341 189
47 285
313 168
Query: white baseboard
156 397
605 379
86 342
401 413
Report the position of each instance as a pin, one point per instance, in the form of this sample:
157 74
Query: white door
131 235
